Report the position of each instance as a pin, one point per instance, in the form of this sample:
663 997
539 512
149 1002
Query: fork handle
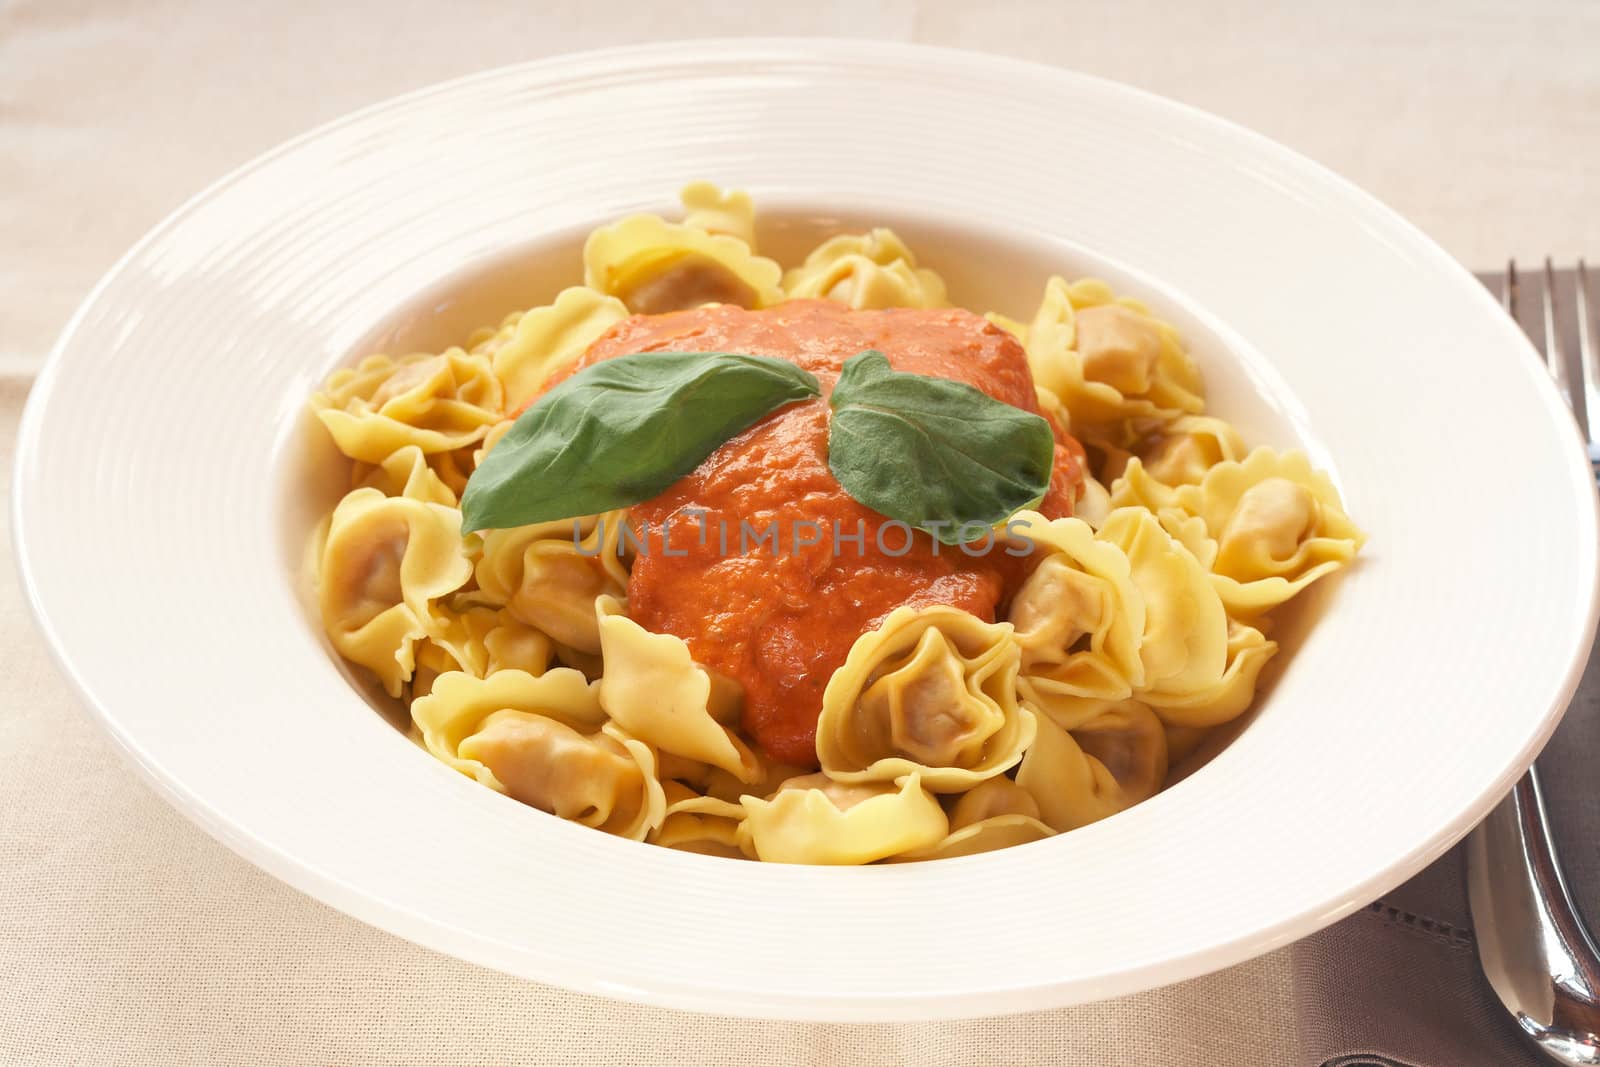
1548 970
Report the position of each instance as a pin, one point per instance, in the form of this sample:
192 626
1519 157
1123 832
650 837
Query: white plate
158 542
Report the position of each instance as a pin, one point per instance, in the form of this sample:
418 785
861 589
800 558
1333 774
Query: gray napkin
1399 982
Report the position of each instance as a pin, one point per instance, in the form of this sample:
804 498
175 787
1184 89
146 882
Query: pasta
1079 619
386 562
478 640
548 579
1212 704
645 672
996 813
729 212
1272 526
1188 447
930 692
545 742
815 819
873 270
549 339
405 472
653 688
1109 361
1109 762
695 823
652 265
1183 648
436 403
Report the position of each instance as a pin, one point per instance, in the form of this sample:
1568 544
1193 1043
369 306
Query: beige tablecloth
128 936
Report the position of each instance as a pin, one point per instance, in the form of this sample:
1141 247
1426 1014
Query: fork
1532 943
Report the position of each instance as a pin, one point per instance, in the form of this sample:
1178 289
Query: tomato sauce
781 615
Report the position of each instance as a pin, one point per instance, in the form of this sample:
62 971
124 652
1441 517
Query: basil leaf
622 430
933 453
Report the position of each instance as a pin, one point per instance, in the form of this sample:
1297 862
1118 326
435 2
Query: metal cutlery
1532 942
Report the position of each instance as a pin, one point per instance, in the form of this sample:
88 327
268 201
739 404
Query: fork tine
1589 360
1554 356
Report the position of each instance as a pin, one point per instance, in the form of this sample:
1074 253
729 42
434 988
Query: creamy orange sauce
779 621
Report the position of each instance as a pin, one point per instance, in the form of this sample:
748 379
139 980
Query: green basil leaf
622 430
934 453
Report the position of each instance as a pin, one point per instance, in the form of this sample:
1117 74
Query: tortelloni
1079 619
386 561
1127 636
872 270
549 339
1107 763
696 823
1112 364
544 741
729 212
1188 447
478 640
994 814
1200 667
652 265
548 575
652 688
1183 647
1136 487
816 819
1266 527
405 472
705 780
1224 700
931 692
437 403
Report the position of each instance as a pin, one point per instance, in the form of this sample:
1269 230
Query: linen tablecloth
128 936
